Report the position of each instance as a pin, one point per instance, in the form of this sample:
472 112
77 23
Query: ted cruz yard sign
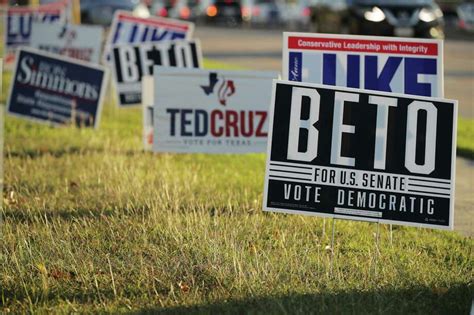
131 62
399 65
58 90
129 29
210 111
359 154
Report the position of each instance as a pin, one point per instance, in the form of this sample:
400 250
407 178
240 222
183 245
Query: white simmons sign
210 111
132 62
359 154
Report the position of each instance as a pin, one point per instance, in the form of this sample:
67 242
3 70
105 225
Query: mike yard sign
129 29
399 65
53 89
361 155
131 62
210 111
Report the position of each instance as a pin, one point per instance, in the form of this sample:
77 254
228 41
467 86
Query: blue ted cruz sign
57 90
399 65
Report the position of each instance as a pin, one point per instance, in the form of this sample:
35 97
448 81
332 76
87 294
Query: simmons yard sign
210 111
400 65
53 89
358 154
76 41
129 29
131 62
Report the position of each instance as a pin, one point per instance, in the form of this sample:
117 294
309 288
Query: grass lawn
93 223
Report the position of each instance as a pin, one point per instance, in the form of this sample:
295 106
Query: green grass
91 223
465 144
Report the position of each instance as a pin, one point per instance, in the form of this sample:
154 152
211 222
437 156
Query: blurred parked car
298 15
227 12
102 12
263 12
185 10
407 18
466 16
162 7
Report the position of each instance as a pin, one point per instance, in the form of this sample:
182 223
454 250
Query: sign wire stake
332 246
391 235
377 251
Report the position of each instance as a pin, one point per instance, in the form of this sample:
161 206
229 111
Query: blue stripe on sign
329 69
353 71
295 66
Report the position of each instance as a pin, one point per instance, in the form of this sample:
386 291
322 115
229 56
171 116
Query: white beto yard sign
129 29
211 111
399 65
362 155
131 62
81 42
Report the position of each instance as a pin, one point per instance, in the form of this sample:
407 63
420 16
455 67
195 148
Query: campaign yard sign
82 42
210 111
362 155
19 21
131 62
399 65
129 29
148 94
57 90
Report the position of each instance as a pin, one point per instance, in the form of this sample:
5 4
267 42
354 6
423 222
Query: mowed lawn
93 223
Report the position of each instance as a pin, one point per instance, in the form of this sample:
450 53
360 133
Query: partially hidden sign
129 29
131 62
19 21
399 65
210 111
147 107
57 90
83 42
362 155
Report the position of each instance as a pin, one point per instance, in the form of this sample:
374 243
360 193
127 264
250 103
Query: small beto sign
361 155
53 89
129 29
81 42
210 111
132 62
400 65
19 21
